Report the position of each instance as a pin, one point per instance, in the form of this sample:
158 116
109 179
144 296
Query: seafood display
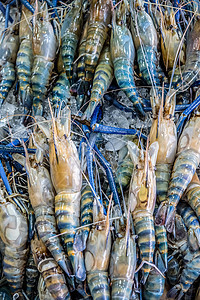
100 150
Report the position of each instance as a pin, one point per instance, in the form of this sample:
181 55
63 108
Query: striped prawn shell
32 275
86 207
70 32
67 212
60 93
100 15
24 68
43 291
148 65
142 196
102 79
146 42
7 74
161 242
86 217
154 286
144 228
51 272
190 272
98 284
97 34
81 52
192 223
55 281
14 264
192 64
68 48
81 91
193 198
41 74
121 289
46 228
121 40
163 173
183 170
124 173
125 79
122 267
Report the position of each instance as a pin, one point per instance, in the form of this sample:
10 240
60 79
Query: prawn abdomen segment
182 173
98 283
7 80
144 227
163 172
67 212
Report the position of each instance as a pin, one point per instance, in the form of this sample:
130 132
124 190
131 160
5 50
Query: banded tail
67 212
144 227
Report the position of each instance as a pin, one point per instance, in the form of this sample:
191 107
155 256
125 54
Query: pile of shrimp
78 221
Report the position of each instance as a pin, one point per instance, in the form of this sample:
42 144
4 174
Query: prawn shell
32 275
121 289
174 271
123 53
61 93
163 173
51 272
161 242
100 15
193 198
67 212
97 257
41 74
86 207
191 222
46 228
122 267
86 217
24 67
148 65
183 170
102 79
144 227
96 37
154 286
70 33
98 284
124 173
14 264
13 226
43 291
69 45
81 51
65 173
190 273
7 74
192 64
